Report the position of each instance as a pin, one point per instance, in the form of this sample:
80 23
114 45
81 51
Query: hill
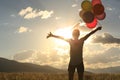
14 66
106 70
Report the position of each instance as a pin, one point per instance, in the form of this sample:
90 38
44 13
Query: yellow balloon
86 5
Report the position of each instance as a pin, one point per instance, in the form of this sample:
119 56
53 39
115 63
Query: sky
24 25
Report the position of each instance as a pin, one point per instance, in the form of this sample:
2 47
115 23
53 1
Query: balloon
94 2
81 13
101 17
86 5
98 9
88 16
92 24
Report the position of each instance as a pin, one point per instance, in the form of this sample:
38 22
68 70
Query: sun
64 32
60 45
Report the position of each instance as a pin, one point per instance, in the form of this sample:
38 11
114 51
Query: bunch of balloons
91 12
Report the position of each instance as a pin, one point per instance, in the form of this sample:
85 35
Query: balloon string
77 24
99 23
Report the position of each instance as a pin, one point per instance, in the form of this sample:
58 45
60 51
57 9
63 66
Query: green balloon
86 5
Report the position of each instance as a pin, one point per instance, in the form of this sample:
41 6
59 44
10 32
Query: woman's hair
76 33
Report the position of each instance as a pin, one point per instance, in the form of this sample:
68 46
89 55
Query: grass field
51 76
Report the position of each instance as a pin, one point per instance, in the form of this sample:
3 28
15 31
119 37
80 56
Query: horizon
47 68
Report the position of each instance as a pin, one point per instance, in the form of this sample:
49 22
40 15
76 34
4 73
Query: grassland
53 76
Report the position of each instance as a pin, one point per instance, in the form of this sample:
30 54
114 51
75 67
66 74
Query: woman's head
75 33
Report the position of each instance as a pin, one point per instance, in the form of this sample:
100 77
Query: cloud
23 55
59 57
74 5
45 14
109 8
106 38
108 56
51 58
12 15
25 11
30 13
100 56
23 29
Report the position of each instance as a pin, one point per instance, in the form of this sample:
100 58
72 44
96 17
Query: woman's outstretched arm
92 32
55 36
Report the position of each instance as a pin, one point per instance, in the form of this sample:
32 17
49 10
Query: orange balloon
94 2
92 24
101 17
86 5
88 16
98 9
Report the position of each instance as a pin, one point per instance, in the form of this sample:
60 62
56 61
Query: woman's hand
99 28
49 35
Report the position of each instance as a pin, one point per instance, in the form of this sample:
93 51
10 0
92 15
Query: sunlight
64 32
89 40
62 46
67 33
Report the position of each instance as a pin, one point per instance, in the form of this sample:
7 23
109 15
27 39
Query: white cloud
25 11
30 13
106 56
101 56
106 38
74 5
23 29
12 15
52 58
109 8
23 55
45 14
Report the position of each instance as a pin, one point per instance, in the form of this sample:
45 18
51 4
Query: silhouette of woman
76 52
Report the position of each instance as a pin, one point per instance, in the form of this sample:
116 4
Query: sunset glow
67 34
25 24
64 32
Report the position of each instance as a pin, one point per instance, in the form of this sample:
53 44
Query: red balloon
94 2
92 24
98 9
101 17
88 16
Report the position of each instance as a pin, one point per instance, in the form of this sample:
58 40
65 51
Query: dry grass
51 76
